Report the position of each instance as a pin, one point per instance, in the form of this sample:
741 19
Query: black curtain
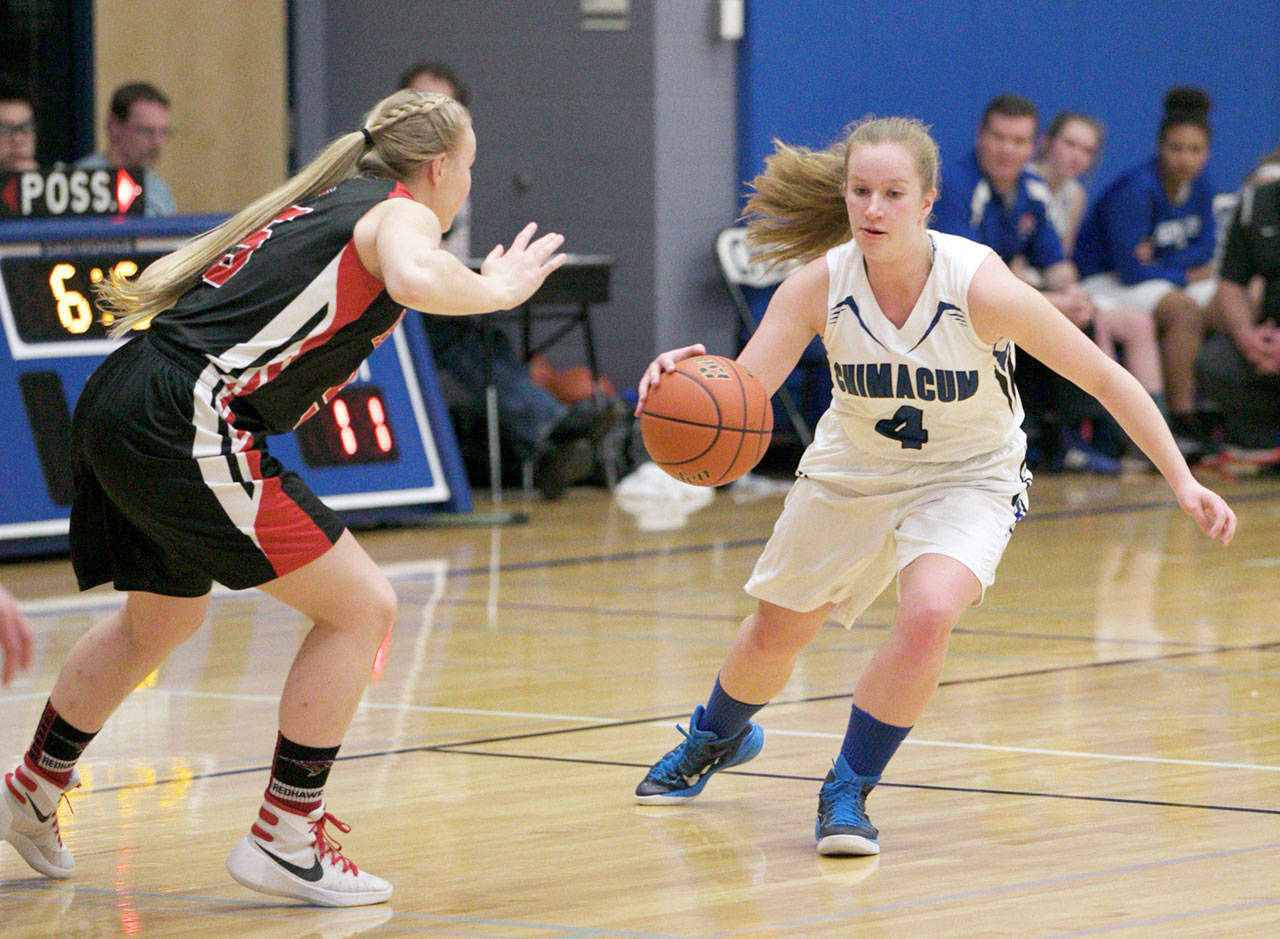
46 46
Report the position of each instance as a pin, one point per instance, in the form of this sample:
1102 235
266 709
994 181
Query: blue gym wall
627 139
808 67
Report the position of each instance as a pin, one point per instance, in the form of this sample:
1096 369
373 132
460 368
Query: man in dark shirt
1239 367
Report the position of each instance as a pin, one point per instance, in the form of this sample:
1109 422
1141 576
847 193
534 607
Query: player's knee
156 635
771 634
928 621
368 613
382 608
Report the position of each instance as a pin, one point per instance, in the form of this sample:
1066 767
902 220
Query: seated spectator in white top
1068 150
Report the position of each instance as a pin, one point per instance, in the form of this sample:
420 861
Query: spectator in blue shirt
990 196
138 129
1148 243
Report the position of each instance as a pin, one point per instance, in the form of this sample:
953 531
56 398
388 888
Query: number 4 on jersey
906 426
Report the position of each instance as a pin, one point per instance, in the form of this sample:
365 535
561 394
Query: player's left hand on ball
665 362
1210 511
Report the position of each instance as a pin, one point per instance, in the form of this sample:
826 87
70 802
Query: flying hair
796 209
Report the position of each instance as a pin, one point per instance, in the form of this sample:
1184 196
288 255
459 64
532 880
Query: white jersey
929 393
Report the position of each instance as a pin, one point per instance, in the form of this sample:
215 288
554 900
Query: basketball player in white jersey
916 470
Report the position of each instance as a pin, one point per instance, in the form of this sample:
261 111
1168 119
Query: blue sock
725 716
869 744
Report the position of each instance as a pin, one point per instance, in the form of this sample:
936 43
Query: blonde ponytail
407 129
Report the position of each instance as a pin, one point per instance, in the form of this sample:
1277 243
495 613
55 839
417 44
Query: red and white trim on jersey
228 458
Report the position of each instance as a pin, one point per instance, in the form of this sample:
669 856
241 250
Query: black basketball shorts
169 497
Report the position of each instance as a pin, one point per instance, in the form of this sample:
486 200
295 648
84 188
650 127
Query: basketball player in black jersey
252 328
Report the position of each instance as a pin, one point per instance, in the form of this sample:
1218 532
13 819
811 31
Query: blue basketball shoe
843 826
681 774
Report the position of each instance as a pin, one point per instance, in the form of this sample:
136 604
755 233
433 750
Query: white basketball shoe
292 855
29 820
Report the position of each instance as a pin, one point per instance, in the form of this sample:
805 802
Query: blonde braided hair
398 135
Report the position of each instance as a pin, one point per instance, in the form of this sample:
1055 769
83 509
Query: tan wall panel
223 65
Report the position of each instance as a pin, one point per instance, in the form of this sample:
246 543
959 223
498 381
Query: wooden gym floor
1103 756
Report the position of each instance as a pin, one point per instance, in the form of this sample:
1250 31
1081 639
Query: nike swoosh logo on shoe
40 816
312 873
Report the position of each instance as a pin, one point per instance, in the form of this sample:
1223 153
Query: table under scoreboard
382 451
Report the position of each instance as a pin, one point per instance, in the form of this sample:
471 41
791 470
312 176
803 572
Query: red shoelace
327 844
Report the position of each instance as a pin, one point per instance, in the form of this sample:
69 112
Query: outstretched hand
1210 511
665 362
523 267
16 640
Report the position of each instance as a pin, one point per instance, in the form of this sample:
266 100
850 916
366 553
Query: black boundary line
460 749
639 555
466 602
565 562
926 786
463 746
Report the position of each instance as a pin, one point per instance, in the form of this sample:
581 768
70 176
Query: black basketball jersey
1253 244
285 318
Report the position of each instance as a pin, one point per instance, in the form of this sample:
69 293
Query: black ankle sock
56 747
298 773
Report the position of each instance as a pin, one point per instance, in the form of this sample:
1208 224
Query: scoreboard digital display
63 193
381 449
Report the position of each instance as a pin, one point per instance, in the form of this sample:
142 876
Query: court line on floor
67 603
595 723
606 722
470 748
1005 889
461 749
1040 751
1169 918
861 625
927 787
308 920
380 706
401 570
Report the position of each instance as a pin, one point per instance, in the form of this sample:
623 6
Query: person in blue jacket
1148 243
992 197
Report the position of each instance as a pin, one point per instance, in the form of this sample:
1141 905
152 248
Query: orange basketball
708 422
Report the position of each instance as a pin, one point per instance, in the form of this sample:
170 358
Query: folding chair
740 270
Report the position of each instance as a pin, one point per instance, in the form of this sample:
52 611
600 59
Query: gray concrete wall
622 139
695 159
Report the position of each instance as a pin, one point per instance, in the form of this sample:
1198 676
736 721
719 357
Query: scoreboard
383 449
